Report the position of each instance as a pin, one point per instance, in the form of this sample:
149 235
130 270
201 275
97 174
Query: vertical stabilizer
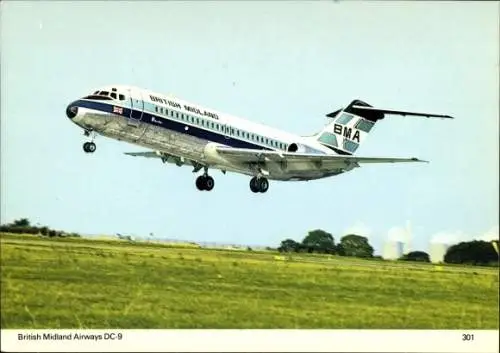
348 128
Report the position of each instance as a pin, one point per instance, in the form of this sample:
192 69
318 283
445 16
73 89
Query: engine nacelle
296 148
211 155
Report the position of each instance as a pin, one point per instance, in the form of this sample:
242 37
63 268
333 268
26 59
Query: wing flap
148 154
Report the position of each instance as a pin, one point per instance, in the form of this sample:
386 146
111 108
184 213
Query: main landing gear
259 184
205 182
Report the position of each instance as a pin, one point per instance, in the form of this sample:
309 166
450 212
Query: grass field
82 283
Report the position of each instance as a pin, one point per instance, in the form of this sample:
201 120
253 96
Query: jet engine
296 147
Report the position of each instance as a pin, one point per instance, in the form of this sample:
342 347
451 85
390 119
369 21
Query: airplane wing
240 159
243 155
179 161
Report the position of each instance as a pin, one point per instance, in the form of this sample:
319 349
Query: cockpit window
106 95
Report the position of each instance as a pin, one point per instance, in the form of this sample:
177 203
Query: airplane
183 133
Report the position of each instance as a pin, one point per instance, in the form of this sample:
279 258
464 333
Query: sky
284 64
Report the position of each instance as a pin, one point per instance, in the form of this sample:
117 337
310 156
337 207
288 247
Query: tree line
24 226
476 252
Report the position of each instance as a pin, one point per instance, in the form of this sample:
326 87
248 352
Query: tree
22 222
319 241
416 256
355 245
475 252
289 245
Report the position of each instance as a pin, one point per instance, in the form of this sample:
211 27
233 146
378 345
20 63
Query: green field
82 283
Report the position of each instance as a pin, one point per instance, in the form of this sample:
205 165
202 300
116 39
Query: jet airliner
180 132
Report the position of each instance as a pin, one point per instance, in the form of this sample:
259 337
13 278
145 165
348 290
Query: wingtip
419 160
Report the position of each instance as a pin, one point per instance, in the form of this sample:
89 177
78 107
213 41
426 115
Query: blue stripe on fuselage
177 126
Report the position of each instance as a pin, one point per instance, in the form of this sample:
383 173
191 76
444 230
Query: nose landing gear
89 147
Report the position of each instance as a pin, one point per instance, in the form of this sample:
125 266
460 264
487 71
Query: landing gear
259 184
89 147
205 182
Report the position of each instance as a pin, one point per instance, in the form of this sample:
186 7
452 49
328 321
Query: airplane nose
71 111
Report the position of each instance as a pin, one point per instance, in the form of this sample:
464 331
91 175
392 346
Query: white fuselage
181 131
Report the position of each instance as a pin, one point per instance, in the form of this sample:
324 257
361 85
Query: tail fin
350 126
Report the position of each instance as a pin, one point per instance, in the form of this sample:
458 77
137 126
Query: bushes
23 226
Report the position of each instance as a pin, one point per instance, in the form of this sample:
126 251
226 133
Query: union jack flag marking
118 110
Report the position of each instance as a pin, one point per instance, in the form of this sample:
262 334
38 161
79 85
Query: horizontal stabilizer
365 110
355 108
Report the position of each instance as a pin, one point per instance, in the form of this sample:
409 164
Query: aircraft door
137 107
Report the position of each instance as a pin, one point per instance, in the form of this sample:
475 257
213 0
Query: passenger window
212 124
177 114
202 123
156 109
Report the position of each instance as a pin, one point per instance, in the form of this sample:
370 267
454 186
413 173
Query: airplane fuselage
182 132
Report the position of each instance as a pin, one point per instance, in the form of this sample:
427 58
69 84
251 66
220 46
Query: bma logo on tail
346 132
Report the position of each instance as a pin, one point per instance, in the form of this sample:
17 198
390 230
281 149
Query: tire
209 183
86 147
263 184
91 147
200 183
253 185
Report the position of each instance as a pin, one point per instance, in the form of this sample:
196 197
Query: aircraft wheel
209 183
86 147
263 184
91 147
200 183
254 185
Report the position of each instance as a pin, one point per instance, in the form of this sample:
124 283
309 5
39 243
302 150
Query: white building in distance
393 250
437 252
